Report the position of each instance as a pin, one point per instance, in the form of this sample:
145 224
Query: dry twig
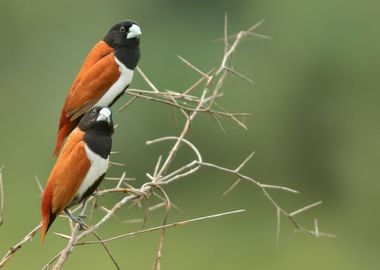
179 223
190 105
17 246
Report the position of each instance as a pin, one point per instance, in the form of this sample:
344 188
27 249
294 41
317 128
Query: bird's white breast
118 87
98 167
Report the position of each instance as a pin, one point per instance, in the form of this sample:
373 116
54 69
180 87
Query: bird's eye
93 112
122 29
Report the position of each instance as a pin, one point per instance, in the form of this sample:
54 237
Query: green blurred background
315 127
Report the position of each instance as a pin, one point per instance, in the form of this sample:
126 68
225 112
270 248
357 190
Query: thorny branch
190 105
180 223
17 246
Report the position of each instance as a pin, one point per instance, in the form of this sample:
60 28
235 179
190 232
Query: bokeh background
315 127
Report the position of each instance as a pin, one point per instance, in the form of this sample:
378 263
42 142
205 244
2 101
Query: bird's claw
77 219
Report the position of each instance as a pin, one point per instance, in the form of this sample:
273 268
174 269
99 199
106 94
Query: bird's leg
83 209
77 219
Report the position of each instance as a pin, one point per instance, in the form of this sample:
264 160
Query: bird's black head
98 120
123 34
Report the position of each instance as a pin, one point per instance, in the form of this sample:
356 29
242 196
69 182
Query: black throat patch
130 54
99 143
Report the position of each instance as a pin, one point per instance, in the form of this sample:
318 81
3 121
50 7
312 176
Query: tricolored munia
105 74
80 167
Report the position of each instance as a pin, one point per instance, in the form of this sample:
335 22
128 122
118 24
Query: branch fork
190 105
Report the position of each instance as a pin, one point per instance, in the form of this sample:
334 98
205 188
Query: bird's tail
46 223
48 216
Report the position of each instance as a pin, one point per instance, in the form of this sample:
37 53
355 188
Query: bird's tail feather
46 223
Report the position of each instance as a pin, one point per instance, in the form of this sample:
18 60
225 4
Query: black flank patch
51 220
92 188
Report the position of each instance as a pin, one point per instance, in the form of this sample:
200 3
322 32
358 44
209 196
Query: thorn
219 124
154 88
239 75
133 221
280 187
256 25
129 102
62 235
226 45
156 168
157 206
278 214
307 207
194 67
231 187
316 227
39 184
116 164
245 162
121 180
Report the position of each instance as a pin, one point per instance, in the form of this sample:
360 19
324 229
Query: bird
105 74
80 167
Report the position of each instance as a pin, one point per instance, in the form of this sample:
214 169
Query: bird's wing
69 172
98 73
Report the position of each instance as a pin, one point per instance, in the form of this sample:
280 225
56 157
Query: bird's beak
134 31
104 115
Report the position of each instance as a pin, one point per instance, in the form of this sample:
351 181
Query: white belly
98 167
118 87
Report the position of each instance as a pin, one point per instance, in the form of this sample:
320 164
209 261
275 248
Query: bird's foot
77 219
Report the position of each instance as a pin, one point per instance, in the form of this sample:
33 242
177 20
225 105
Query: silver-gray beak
134 31
104 115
